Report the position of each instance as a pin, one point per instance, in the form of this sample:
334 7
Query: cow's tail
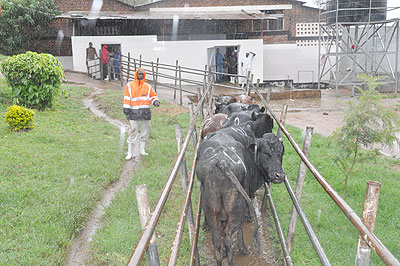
228 172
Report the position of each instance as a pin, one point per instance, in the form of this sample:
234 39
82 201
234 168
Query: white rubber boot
142 146
135 150
130 151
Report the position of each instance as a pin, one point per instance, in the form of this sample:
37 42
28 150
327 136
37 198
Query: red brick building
272 20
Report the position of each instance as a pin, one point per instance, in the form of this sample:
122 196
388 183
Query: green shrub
19 118
366 122
35 79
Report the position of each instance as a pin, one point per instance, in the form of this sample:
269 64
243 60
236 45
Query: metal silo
357 36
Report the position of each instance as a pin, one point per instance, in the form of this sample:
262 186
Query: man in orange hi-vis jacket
137 99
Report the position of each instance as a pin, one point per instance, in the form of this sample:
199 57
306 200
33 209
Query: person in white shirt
246 66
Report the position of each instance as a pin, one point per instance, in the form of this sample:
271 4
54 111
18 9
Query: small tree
366 122
24 22
35 79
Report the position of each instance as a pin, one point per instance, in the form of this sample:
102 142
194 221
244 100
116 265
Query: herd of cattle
238 154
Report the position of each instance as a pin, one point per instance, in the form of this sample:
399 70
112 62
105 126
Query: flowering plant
19 118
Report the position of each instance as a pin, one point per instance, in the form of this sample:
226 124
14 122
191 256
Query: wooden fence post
191 113
283 118
299 187
144 213
368 217
155 84
269 94
210 92
258 87
176 77
184 179
199 95
180 86
129 67
248 88
153 75
120 70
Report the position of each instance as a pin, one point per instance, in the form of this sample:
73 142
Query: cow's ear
254 115
252 147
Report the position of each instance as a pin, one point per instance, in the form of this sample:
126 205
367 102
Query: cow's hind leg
233 204
218 243
232 242
241 245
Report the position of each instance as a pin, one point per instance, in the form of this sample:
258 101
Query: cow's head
262 124
244 99
268 154
255 107
221 102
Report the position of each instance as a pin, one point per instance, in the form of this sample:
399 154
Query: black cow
238 118
221 102
235 154
217 121
232 107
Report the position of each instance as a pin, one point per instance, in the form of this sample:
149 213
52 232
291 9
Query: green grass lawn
336 234
51 177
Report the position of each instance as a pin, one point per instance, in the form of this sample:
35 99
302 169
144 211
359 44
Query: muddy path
270 250
79 252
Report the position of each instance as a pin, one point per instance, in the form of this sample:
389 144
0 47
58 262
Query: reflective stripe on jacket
137 99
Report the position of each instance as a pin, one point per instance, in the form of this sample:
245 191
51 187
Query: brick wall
194 3
298 14
86 5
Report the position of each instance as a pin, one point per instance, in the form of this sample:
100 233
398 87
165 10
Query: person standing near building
232 65
104 57
91 55
246 66
137 99
219 61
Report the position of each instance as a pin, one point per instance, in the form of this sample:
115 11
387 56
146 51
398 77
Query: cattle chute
144 240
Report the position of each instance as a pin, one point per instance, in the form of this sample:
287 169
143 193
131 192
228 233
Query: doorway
229 61
114 51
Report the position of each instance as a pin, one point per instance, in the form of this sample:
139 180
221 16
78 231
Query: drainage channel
79 253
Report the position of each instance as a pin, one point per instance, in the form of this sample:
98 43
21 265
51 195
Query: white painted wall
289 61
66 62
191 54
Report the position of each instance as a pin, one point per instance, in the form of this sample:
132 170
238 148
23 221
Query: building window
268 24
107 30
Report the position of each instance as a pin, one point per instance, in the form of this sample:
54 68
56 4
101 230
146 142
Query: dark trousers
105 71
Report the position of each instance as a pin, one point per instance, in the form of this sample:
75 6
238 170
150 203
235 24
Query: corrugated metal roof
201 15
